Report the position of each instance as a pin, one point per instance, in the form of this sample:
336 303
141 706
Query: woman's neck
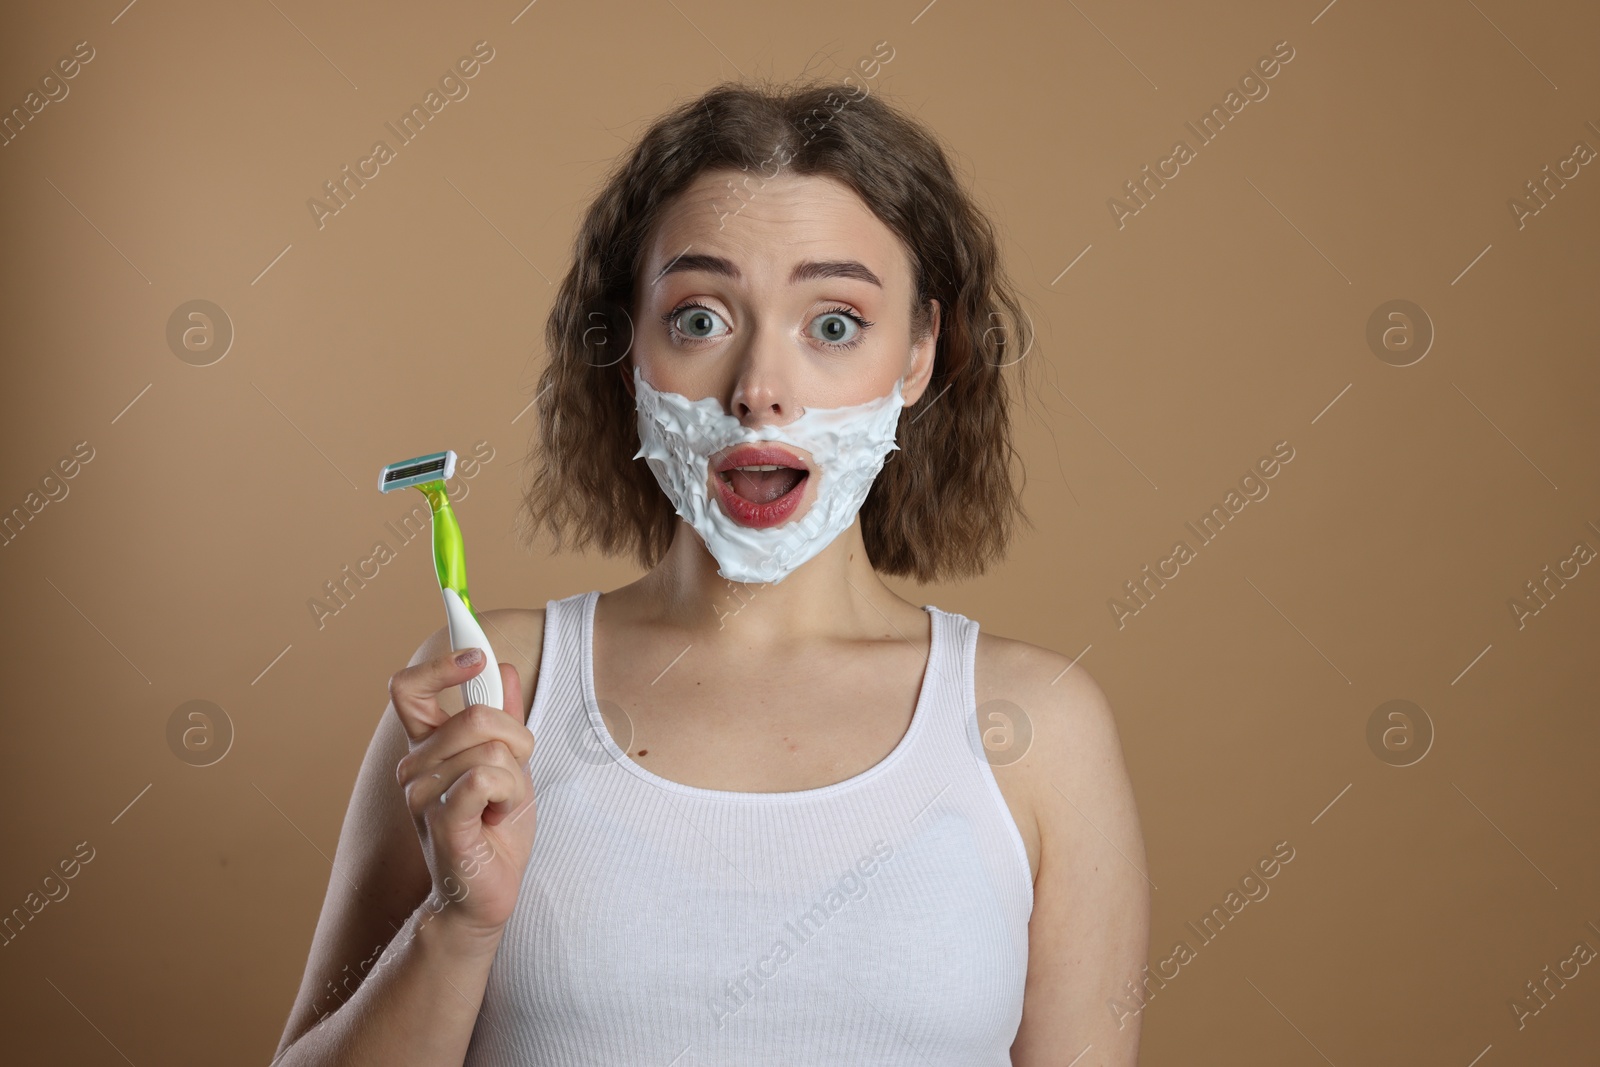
835 594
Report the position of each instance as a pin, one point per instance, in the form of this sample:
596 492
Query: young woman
783 815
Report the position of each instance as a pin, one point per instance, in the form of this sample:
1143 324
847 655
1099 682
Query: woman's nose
760 389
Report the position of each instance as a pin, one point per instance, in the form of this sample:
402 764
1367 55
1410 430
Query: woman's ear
625 368
922 356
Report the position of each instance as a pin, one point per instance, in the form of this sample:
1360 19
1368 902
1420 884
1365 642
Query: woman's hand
467 785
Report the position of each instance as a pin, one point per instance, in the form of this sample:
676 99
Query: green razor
428 475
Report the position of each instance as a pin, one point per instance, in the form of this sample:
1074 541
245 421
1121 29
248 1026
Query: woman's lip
759 516
759 455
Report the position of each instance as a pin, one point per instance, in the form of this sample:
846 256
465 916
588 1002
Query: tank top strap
559 683
948 701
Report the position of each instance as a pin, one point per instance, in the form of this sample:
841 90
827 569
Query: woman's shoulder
1008 655
517 636
1051 738
1059 704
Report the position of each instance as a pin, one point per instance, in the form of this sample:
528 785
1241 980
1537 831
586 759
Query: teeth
727 475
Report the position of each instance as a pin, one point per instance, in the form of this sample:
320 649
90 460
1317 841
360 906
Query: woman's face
793 296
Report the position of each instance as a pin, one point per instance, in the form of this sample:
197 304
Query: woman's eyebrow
807 271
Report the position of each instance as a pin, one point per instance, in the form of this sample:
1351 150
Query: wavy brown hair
945 505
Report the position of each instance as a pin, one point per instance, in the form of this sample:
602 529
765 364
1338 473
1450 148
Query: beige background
1229 314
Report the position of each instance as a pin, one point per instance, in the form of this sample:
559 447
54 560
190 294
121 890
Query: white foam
848 445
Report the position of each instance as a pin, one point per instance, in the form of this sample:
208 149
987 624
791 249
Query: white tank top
880 920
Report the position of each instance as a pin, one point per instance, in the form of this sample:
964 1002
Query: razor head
434 467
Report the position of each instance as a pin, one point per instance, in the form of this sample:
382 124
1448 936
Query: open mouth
763 484
760 486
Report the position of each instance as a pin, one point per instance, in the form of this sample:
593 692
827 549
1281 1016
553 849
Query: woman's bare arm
418 1003
391 977
1090 931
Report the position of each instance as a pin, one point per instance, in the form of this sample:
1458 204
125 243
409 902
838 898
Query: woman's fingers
461 810
429 786
415 690
476 725
467 785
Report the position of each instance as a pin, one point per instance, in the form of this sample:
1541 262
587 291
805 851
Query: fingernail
469 658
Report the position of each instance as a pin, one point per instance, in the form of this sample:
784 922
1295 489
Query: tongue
763 487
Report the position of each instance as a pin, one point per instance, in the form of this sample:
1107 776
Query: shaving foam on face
848 446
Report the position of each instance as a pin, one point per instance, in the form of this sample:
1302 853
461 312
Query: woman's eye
695 322
837 327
